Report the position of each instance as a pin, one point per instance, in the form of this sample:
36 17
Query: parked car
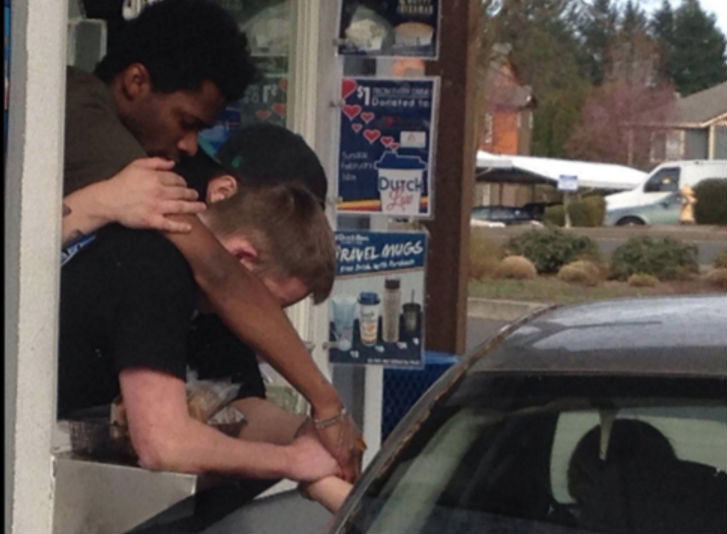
603 417
657 200
506 215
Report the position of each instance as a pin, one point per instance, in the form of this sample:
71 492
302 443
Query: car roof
685 335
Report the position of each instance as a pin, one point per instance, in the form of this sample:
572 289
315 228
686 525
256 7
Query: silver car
604 417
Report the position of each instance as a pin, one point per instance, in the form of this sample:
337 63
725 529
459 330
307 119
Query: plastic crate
404 386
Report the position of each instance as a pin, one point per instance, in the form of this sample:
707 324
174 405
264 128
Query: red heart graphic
386 140
283 84
351 111
367 116
348 86
262 114
356 127
394 146
280 109
372 135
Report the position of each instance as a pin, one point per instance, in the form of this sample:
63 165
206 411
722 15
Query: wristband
325 423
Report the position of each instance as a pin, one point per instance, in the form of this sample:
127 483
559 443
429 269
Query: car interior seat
640 486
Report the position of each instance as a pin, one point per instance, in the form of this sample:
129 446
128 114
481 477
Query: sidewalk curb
500 309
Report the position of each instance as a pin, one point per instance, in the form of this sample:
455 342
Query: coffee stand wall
312 107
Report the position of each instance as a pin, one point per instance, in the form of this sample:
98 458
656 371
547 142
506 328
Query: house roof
700 108
502 84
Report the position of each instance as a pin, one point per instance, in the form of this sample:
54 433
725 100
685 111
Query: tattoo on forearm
66 210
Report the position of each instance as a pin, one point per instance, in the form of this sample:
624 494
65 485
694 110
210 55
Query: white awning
590 175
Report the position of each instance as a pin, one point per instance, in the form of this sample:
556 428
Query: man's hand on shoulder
143 193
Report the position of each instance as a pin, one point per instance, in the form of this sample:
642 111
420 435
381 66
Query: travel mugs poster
377 313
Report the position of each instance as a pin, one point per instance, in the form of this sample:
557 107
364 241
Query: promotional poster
386 146
377 303
394 28
268 26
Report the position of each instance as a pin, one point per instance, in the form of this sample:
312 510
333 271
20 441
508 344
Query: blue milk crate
404 386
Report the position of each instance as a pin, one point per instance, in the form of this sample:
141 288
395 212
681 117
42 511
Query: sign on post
568 182
386 146
377 313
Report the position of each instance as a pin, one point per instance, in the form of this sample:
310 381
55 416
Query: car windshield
550 454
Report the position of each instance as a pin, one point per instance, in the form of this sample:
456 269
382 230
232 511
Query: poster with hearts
386 145
395 28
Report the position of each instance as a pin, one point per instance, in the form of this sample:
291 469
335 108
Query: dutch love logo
400 183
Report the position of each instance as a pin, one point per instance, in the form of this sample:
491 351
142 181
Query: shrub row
551 248
665 258
586 211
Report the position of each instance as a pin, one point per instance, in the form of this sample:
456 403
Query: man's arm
139 196
165 437
252 313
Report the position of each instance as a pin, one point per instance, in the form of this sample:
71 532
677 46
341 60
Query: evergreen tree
697 54
662 30
596 26
633 53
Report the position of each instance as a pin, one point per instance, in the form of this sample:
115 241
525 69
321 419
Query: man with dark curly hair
170 74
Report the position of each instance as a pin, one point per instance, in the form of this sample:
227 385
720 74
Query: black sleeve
155 306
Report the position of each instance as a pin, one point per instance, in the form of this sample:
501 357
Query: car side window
663 181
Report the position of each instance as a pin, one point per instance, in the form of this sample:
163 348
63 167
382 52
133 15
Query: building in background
509 105
693 127
507 126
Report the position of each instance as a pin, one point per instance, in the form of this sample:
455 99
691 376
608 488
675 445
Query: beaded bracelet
325 423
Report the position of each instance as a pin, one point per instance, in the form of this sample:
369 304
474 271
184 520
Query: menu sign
377 299
396 28
386 145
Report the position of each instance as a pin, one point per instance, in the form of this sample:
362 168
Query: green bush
554 215
711 206
596 209
587 211
721 259
666 259
551 248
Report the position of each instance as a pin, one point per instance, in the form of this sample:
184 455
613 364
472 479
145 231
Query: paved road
480 330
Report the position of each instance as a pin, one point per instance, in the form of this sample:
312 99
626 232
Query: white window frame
33 198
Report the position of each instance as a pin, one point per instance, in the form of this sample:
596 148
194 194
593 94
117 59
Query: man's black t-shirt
128 301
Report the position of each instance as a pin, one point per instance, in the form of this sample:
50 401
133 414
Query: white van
657 200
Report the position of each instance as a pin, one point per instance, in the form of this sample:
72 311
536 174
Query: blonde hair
288 228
